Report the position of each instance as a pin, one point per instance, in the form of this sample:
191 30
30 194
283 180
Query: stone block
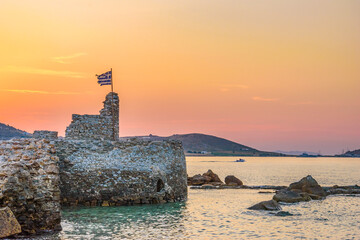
8 223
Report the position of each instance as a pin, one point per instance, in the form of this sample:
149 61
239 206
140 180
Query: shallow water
223 214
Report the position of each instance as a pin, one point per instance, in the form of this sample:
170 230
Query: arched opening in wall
160 185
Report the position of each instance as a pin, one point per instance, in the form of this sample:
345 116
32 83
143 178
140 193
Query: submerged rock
270 205
8 224
265 192
233 181
208 186
283 214
288 196
347 190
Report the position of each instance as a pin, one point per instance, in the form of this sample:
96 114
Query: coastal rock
231 180
206 178
198 180
8 223
343 190
309 185
288 196
213 177
270 205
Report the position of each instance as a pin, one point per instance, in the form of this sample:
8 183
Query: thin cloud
39 92
40 71
224 89
265 99
302 103
234 86
228 87
64 59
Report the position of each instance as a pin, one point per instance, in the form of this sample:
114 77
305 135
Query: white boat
240 160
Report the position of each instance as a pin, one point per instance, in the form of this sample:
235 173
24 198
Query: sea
224 214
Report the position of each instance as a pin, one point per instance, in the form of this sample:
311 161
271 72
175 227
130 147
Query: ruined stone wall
98 127
29 183
44 134
102 173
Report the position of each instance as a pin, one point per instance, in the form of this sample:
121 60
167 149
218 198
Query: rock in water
213 177
309 185
283 214
8 223
231 179
197 180
208 177
289 196
266 205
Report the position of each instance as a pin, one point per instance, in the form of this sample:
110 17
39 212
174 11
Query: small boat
240 160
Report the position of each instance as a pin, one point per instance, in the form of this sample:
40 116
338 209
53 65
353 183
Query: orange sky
268 74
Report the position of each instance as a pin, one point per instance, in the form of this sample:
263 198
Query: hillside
355 153
8 132
201 144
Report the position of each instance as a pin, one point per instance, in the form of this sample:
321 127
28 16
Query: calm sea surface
223 214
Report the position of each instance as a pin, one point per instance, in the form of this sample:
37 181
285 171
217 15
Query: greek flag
105 78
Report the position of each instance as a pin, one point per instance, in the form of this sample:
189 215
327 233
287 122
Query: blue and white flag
105 78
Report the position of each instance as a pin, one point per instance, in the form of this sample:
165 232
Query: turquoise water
223 214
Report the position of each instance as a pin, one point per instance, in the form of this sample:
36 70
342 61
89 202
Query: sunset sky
273 75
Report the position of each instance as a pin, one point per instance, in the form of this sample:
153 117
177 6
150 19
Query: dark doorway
159 185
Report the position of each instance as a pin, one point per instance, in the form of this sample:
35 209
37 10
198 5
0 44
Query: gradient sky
274 75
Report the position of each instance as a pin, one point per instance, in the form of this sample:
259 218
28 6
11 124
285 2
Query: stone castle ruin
43 134
87 168
104 126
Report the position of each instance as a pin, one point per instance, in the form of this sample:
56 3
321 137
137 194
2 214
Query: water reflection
135 222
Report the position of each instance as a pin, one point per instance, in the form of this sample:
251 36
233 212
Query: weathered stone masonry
29 183
43 134
97 127
102 173
86 168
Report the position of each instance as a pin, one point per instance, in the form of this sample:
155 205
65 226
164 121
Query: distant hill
8 132
201 144
355 153
296 153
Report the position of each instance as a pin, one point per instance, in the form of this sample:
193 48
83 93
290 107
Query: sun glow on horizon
270 75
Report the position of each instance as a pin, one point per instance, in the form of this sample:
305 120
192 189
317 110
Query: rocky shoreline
352 189
203 181
305 190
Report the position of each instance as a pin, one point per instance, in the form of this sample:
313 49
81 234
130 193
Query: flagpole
112 104
112 85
